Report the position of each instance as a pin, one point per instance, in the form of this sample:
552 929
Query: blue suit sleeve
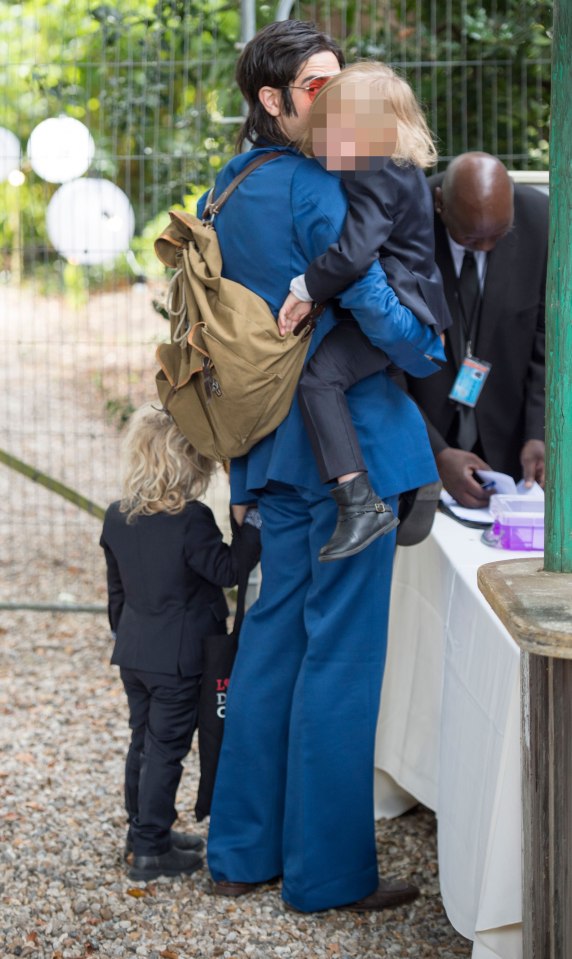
319 206
238 485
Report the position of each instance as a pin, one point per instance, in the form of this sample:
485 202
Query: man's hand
456 469
239 512
291 312
532 461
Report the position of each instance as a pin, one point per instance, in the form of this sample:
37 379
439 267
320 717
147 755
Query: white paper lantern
9 153
90 221
60 149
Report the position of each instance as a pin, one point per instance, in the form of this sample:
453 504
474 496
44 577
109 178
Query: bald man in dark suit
500 320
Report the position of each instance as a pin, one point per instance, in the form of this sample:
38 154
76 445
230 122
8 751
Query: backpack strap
213 207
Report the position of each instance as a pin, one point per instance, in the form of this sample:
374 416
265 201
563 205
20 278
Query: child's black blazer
390 215
165 575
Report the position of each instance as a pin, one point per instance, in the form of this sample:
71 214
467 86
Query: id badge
470 380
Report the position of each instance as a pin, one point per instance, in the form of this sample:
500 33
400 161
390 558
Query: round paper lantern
90 221
60 149
9 153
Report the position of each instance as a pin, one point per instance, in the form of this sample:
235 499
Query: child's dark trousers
344 357
162 717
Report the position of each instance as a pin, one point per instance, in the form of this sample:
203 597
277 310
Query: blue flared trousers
294 789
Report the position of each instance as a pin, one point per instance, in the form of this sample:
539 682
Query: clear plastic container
519 522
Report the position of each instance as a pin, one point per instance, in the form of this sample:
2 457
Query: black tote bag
218 659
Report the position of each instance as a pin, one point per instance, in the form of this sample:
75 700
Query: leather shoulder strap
213 207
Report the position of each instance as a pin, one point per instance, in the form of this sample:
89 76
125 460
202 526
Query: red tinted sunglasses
313 87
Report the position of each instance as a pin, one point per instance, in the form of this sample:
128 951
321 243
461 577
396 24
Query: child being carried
367 127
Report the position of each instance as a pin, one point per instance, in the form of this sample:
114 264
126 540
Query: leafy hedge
154 82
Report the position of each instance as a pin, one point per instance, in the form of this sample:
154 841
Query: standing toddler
167 565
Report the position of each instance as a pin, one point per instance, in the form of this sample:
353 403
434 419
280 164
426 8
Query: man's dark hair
273 59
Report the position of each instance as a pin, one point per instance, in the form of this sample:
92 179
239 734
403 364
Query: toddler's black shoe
175 862
362 517
181 840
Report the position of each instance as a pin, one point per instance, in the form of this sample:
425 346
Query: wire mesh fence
151 85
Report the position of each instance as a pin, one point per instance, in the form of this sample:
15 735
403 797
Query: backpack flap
177 364
173 239
203 237
186 407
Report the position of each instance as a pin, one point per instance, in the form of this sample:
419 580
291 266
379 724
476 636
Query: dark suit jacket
510 409
165 575
390 216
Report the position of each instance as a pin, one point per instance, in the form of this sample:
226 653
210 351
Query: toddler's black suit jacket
390 215
165 575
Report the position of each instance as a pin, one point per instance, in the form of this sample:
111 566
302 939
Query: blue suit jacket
280 218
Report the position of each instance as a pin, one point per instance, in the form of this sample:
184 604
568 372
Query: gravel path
63 731
63 890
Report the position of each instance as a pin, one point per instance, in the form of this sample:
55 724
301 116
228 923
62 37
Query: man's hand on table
532 461
456 469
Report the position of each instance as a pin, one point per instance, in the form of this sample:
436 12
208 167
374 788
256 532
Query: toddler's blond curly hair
161 471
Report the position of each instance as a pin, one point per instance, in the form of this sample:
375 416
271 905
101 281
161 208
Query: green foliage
118 411
142 244
483 76
154 82
150 80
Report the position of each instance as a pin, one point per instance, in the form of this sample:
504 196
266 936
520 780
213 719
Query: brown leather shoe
235 889
224 888
389 893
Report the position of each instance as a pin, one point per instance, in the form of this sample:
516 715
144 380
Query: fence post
558 534
247 21
536 604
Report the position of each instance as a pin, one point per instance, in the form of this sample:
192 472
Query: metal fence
152 83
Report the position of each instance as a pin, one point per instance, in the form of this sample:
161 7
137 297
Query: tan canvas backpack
227 376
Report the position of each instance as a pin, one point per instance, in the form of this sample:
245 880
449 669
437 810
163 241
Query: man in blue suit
294 791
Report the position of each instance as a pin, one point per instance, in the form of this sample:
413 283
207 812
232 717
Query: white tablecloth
449 731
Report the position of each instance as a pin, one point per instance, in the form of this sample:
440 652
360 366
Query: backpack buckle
212 385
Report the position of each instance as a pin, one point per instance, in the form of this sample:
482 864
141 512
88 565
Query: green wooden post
558 522
534 604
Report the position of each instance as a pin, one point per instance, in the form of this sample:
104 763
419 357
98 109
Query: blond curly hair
161 472
392 94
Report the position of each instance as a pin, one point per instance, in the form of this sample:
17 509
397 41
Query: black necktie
469 297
